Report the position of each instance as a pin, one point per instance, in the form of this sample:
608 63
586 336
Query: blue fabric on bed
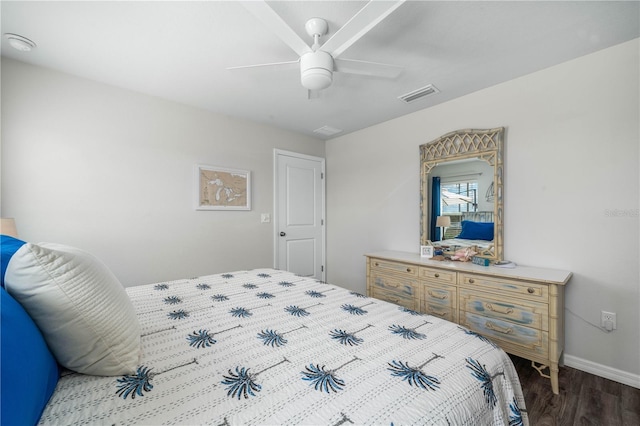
8 247
29 372
476 230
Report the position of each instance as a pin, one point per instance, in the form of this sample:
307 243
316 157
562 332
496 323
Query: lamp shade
443 221
8 227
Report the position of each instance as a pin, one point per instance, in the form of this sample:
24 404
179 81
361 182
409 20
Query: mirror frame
484 144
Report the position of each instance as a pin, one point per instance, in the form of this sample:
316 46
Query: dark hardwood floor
584 399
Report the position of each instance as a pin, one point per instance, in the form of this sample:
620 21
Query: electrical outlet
608 320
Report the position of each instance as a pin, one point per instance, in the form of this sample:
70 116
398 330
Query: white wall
111 171
571 191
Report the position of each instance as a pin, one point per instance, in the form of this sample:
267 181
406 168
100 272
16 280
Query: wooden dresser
521 309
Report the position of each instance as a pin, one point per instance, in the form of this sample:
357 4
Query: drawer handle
531 290
506 311
376 264
391 285
437 296
408 269
503 330
440 314
471 280
436 275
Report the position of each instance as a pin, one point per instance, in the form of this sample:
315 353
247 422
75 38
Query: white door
299 214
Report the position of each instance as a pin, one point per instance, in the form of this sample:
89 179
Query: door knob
282 234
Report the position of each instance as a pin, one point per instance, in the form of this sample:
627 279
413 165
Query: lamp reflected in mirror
443 222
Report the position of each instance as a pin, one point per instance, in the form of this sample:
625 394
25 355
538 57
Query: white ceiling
180 51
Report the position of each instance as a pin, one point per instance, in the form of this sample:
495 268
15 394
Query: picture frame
222 188
426 251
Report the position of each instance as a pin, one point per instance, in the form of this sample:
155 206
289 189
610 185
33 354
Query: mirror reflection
461 199
461 192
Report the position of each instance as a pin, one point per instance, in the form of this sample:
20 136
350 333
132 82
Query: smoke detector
20 43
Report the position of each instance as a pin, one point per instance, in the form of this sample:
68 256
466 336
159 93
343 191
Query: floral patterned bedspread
269 347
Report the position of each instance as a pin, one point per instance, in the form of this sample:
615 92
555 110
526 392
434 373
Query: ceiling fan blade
273 21
286 64
373 69
363 21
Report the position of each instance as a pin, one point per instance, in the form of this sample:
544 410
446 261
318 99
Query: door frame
277 153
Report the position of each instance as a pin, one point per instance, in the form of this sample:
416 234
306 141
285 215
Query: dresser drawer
438 275
441 312
518 311
401 269
441 301
396 290
443 296
511 337
531 291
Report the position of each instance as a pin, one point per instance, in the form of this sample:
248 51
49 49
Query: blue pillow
28 371
8 247
476 230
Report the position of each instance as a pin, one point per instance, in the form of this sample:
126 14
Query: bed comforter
269 347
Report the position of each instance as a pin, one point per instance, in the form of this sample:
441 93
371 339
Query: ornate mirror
467 209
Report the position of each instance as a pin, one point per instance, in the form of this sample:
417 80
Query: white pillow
79 305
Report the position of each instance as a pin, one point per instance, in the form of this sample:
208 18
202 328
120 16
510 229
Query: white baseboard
610 373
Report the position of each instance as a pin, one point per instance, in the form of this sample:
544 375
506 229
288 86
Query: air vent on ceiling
427 90
327 131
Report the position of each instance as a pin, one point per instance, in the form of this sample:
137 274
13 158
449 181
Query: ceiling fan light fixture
316 79
316 70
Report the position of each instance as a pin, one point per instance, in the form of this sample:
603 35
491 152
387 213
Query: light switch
265 218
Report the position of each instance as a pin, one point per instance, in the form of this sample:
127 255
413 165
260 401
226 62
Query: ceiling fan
318 62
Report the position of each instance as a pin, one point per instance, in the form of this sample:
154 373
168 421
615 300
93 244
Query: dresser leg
554 378
553 374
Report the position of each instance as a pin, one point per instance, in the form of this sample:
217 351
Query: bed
265 346
474 229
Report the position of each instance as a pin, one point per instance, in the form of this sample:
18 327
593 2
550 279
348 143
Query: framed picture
426 251
219 188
